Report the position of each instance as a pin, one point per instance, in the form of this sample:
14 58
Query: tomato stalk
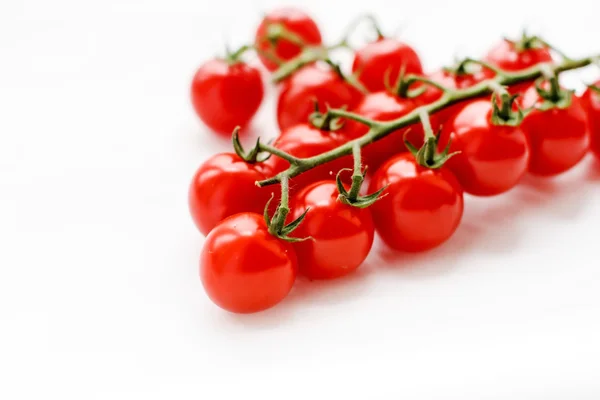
555 96
428 156
378 130
353 197
277 225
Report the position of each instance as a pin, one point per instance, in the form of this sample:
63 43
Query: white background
99 293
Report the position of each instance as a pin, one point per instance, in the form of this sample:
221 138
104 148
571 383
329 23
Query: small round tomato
303 141
517 56
373 62
451 80
591 100
223 186
215 92
245 269
383 106
558 137
293 21
312 83
493 158
422 207
342 235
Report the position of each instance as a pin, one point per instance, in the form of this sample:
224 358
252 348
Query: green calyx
554 96
402 86
527 42
276 224
325 121
504 114
350 79
252 156
463 67
428 155
235 57
352 197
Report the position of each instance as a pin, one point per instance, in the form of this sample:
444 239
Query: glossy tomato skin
303 141
295 21
383 106
591 101
343 235
493 159
558 138
313 82
243 268
216 98
372 61
423 207
506 56
223 186
452 81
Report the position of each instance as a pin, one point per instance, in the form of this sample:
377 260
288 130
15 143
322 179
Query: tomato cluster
319 221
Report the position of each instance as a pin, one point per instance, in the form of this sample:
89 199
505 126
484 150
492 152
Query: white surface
99 294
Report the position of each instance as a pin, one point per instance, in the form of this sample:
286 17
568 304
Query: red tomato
223 186
452 81
591 100
216 89
243 268
294 21
374 60
299 92
305 141
383 106
343 235
507 56
493 158
558 138
423 206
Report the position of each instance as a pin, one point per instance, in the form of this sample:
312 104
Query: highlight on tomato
556 128
216 93
283 33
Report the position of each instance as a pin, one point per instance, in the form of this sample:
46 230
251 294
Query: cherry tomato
372 62
223 186
313 82
422 208
507 56
591 100
383 106
450 80
343 235
294 21
558 137
216 89
243 268
303 141
493 158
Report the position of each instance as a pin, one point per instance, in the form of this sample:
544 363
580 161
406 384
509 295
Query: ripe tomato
303 141
372 62
558 137
294 21
383 106
451 80
343 235
223 186
493 158
423 206
591 100
243 268
513 57
313 82
215 93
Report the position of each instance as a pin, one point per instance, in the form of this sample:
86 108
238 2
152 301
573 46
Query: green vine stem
378 130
